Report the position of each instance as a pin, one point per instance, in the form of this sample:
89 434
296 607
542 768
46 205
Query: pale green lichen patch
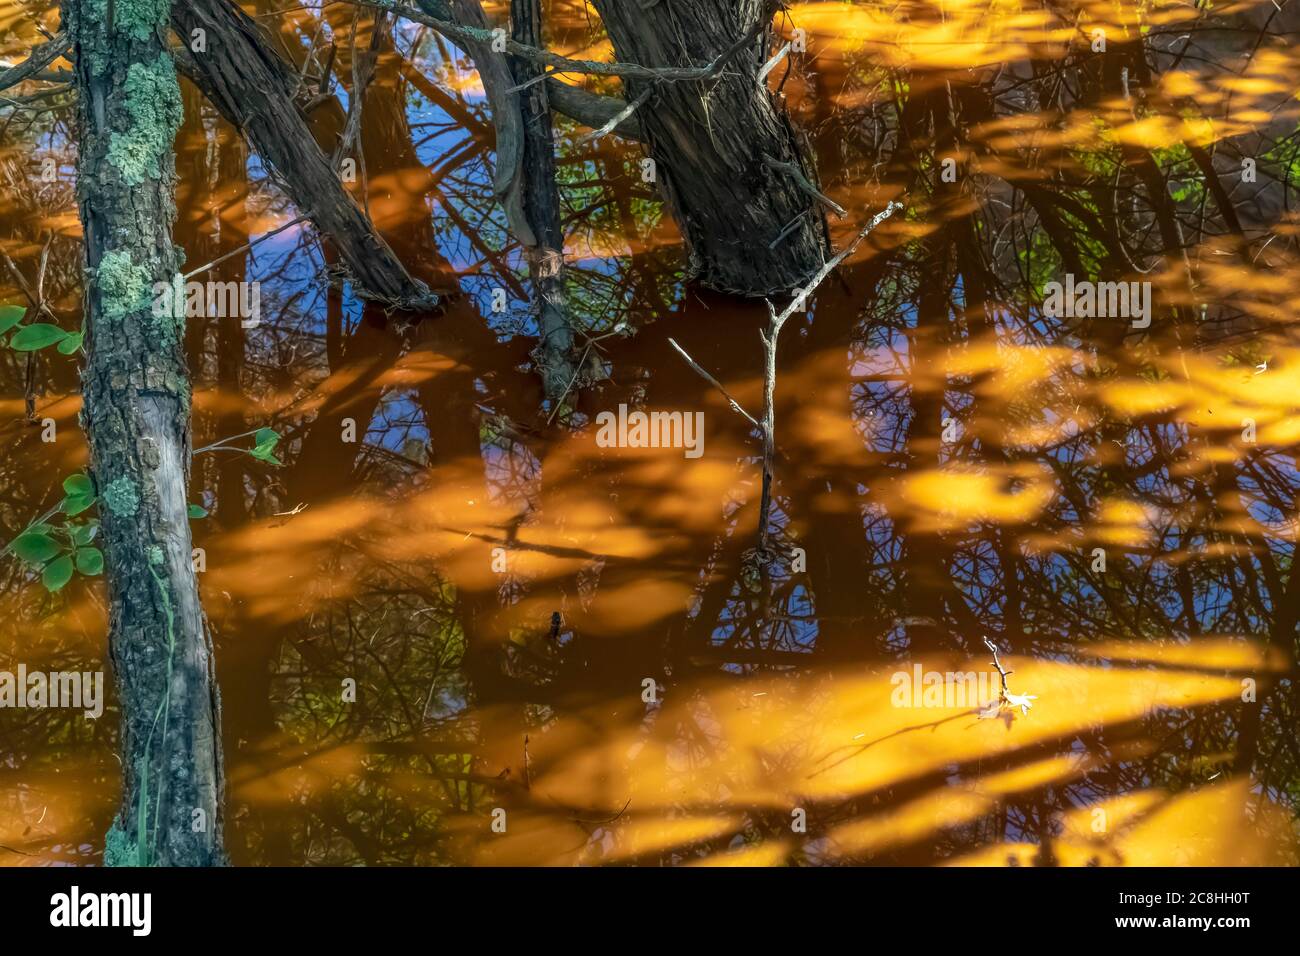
153 111
123 285
140 18
119 849
122 497
156 555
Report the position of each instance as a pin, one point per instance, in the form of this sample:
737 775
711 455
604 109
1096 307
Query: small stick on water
997 662
775 322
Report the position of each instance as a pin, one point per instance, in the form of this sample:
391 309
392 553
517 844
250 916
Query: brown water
500 590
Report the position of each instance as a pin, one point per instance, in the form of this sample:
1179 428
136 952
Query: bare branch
794 172
618 117
699 370
592 109
41 57
772 64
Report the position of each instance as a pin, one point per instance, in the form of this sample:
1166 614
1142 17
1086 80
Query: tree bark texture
136 414
750 228
554 355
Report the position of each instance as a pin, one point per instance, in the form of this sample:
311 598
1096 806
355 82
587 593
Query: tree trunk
254 89
136 412
541 199
751 227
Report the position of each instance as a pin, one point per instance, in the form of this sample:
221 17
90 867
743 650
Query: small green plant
264 442
59 551
31 336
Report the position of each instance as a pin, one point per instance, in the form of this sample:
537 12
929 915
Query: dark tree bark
752 227
254 89
554 355
136 414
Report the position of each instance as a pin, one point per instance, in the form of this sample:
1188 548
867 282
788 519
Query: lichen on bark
122 497
138 19
120 849
153 113
123 284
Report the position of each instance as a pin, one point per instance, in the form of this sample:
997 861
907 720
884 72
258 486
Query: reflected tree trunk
541 199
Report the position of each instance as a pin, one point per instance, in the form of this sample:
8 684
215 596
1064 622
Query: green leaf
198 511
90 561
78 486
32 337
264 442
57 573
83 534
35 547
10 315
265 453
72 343
74 505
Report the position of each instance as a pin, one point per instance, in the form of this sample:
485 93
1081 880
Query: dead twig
244 248
769 337
800 180
699 370
773 63
617 118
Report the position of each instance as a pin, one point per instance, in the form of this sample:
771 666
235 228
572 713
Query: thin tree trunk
254 89
136 413
727 159
541 198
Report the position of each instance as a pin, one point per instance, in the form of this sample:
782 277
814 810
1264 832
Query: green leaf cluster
60 551
31 336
